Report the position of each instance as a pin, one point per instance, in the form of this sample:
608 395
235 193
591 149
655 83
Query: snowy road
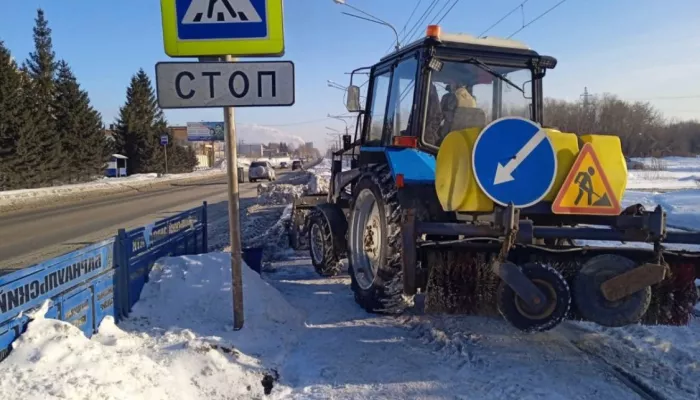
344 352
31 236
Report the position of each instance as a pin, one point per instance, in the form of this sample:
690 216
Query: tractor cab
447 82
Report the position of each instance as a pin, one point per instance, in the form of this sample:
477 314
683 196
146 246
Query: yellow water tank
455 183
608 148
566 148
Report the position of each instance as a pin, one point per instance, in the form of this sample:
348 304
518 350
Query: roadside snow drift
177 344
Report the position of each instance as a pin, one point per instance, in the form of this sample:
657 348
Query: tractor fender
337 220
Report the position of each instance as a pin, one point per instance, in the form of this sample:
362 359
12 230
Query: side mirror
352 102
527 89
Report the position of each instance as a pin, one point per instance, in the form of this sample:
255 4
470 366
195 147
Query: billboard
205 131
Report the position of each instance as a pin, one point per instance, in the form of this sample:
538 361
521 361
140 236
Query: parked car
284 165
261 170
297 164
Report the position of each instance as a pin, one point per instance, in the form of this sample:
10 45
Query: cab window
401 105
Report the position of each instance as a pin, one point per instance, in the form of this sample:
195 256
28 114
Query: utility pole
586 96
233 213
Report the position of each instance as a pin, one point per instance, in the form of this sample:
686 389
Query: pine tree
15 123
139 127
79 127
44 156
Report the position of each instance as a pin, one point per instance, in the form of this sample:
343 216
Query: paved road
32 236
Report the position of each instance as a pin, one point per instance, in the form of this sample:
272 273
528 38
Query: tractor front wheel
322 247
374 244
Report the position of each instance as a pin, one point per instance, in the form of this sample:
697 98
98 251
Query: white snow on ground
178 343
670 173
9 197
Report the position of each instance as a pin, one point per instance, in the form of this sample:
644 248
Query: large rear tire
375 244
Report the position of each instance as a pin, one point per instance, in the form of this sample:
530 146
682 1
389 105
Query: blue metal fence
104 278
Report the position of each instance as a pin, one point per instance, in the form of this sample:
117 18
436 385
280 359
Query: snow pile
12 197
178 344
279 193
320 177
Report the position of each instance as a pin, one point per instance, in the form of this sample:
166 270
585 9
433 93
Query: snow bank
177 344
11 197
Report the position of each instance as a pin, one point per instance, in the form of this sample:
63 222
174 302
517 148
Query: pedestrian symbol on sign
220 11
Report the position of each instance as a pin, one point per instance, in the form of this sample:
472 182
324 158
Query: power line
668 98
403 30
536 18
310 121
416 32
519 6
423 16
446 12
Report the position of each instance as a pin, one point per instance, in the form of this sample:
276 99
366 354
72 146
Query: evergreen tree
16 124
79 126
44 155
139 126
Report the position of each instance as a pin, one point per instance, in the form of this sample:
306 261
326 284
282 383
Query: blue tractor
408 208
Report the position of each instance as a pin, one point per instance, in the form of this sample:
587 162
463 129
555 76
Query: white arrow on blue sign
514 162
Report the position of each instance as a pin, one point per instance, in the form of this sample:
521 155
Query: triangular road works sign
586 190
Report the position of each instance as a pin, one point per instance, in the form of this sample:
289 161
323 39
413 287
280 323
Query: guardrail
104 278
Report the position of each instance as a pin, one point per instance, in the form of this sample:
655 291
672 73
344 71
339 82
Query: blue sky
638 49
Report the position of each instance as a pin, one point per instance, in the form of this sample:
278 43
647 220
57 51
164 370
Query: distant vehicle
261 170
284 164
297 164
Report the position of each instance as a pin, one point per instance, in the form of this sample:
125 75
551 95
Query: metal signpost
514 162
164 143
225 28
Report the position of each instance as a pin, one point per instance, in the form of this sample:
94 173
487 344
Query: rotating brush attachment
461 282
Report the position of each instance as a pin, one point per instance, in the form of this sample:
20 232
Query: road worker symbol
586 189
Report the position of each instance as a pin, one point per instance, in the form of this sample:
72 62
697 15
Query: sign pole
165 149
233 213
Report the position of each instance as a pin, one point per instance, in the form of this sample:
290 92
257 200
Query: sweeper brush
485 212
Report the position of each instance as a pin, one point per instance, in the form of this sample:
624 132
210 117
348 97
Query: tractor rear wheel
374 244
590 301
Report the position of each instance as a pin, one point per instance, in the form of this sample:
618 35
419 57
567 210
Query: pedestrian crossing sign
241 28
586 190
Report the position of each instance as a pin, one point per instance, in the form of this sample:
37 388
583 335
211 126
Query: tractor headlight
548 62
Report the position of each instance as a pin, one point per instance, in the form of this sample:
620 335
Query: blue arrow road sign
514 162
